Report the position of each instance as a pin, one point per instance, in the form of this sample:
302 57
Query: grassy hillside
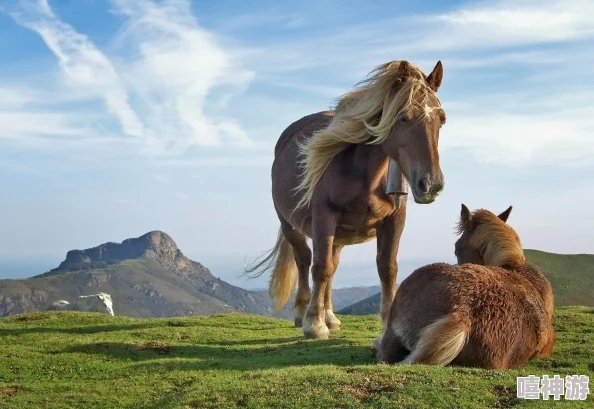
76 360
571 276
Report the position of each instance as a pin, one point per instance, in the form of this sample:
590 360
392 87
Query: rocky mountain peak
156 245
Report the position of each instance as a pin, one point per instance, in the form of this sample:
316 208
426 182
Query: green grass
76 360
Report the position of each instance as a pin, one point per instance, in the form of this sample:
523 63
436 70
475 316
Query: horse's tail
284 271
441 342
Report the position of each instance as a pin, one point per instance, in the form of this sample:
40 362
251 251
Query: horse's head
487 239
415 114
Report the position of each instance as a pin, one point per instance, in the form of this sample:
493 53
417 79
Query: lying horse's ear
434 79
504 216
465 215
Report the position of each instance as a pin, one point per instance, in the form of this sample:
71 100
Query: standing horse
340 198
493 310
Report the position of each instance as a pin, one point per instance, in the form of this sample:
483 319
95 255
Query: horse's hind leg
302 254
332 322
323 229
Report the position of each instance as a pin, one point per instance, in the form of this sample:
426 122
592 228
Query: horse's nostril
423 185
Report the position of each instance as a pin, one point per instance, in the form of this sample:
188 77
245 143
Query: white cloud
514 22
521 139
513 96
170 82
158 89
82 63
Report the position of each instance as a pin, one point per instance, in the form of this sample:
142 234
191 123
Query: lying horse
493 310
100 302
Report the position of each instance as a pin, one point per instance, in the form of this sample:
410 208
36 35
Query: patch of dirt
359 392
506 397
373 383
156 347
10 391
28 317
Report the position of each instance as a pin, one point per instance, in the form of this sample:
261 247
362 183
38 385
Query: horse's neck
372 162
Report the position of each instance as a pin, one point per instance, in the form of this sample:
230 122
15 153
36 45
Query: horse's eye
403 120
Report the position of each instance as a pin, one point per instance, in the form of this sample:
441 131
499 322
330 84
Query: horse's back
286 171
303 128
471 288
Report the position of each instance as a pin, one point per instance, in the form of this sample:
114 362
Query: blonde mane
366 114
496 240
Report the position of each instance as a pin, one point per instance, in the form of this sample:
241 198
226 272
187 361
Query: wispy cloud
82 63
513 22
506 103
495 136
170 84
158 90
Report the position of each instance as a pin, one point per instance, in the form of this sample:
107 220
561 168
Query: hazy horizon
349 274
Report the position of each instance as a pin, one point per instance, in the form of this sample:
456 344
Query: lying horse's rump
479 315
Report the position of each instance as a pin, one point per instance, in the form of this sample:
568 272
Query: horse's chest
359 218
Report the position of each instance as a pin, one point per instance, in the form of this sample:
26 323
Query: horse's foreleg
324 225
388 241
332 322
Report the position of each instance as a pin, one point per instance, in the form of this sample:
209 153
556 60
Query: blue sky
123 116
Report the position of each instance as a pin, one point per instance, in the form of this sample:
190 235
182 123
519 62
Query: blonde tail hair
281 260
440 342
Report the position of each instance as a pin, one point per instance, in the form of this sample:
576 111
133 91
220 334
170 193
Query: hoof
298 322
321 335
333 326
316 331
375 345
332 322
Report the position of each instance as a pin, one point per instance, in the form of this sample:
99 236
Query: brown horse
493 310
329 184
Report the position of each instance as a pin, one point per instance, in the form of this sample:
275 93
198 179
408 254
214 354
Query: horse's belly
348 234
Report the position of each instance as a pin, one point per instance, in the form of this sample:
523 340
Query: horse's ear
434 79
504 216
465 215
100 296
